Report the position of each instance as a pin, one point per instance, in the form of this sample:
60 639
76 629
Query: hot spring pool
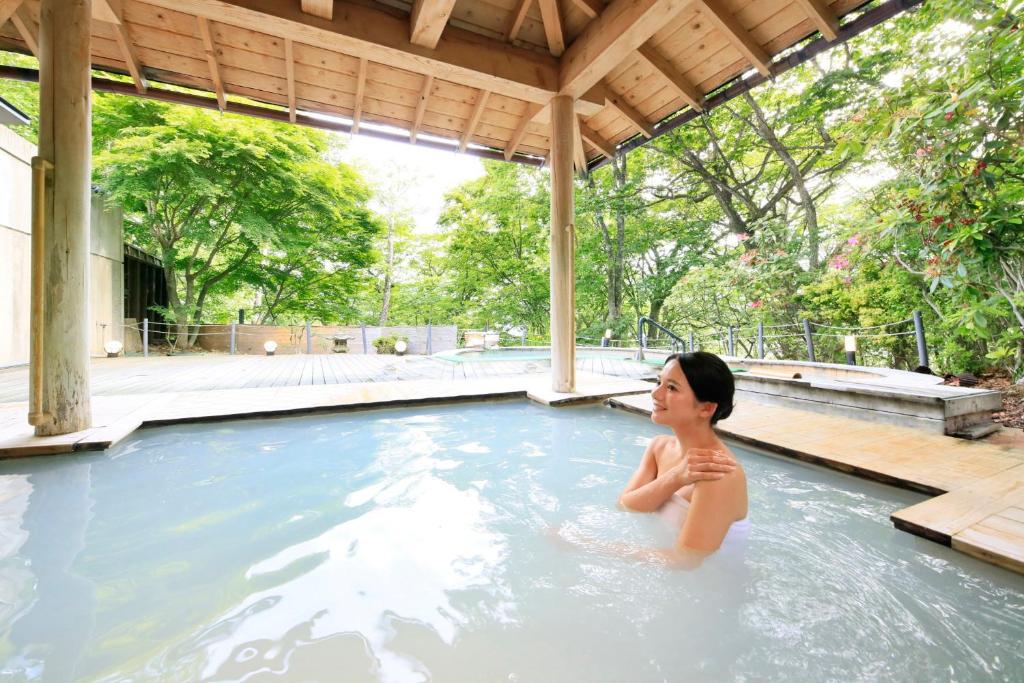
387 545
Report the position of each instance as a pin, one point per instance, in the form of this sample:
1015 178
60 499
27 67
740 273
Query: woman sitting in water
690 477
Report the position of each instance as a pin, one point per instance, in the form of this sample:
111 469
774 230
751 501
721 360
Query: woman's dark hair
709 378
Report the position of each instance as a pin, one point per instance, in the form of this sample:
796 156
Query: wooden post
809 339
760 340
732 341
145 337
922 347
309 337
233 338
65 141
563 277
693 346
430 346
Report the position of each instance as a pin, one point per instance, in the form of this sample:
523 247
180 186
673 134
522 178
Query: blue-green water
415 544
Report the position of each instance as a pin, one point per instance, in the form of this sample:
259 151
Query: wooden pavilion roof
476 72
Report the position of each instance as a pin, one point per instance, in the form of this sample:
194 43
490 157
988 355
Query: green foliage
229 201
386 344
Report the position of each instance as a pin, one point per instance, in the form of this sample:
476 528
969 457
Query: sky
429 173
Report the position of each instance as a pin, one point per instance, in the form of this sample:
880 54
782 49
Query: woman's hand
703 464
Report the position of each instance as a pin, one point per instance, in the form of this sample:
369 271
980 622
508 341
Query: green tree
217 195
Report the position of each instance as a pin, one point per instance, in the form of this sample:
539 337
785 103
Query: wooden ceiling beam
319 8
579 152
741 39
421 107
357 111
107 10
590 135
211 59
382 36
289 68
628 112
518 17
679 83
7 9
532 110
822 16
22 21
552 26
609 39
427 21
592 8
474 119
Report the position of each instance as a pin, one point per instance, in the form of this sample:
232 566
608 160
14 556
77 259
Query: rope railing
733 336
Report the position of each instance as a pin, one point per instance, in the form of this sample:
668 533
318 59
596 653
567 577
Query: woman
691 478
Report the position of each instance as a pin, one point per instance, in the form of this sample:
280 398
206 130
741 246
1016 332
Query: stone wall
292 339
106 297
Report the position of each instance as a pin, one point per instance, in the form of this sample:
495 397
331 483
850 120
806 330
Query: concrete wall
105 263
292 339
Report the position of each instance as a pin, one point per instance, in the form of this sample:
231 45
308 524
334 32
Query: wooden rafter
737 35
474 119
289 67
590 135
518 17
822 16
552 26
579 152
7 10
421 107
319 8
532 109
592 8
427 21
679 83
109 11
211 59
357 30
26 28
357 111
609 39
627 111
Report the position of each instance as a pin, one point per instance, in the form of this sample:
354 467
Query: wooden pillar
65 140
563 276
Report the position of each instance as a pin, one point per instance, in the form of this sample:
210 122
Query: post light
400 347
606 340
850 345
270 347
113 348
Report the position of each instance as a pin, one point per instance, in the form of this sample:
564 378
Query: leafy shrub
387 344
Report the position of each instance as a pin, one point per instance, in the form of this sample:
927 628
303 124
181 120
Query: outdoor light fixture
607 338
850 345
113 348
400 347
270 347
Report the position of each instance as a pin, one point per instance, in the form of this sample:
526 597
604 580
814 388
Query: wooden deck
979 488
163 374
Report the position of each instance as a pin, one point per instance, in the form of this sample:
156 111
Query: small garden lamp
401 347
113 348
606 340
270 347
850 345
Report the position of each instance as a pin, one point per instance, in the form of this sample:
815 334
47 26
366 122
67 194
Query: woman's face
674 400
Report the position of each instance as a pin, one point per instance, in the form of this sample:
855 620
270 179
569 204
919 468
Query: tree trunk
385 305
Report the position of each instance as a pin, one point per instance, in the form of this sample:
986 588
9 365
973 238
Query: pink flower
854 241
949 115
839 262
748 256
743 237
921 152
754 304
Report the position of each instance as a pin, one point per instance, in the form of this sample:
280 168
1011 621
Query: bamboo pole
65 140
563 280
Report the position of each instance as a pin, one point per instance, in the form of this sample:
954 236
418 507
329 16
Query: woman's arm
712 512
648 489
